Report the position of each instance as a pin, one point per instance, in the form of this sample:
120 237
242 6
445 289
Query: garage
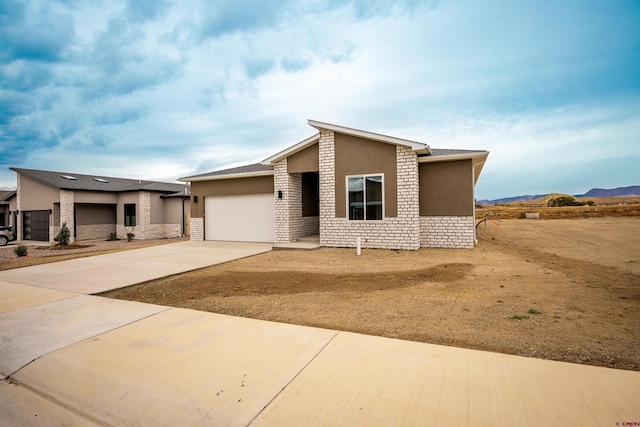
35 225
245 218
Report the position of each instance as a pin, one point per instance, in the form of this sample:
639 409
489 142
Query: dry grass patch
573 284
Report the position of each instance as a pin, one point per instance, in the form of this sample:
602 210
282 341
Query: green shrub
130 236
567 201
21 250
112 237
64 235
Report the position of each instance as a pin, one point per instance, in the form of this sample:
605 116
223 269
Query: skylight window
100 179
69 177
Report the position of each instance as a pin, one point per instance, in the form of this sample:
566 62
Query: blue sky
165 89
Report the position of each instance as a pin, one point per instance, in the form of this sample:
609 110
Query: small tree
64 235
564 201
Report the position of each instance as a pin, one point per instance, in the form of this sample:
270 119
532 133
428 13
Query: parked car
6 235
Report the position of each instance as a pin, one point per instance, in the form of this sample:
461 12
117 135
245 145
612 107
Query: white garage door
248 218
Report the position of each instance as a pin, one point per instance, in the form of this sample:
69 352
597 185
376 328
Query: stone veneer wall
307 226
144 230
401 232
455 232
94 231
67 205
150 231
53 232
282 182
290 224
197 229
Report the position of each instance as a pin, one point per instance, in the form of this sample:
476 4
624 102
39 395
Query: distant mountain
526 198
632 191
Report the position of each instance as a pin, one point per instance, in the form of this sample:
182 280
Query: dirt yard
557 289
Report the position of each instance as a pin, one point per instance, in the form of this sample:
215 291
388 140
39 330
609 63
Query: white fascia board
291 150
478 159
475 155
419 147
227 176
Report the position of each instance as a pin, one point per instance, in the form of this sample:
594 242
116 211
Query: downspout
473 193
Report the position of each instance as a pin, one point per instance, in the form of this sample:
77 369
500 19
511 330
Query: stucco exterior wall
398 232
36 196
446 188
157 209
306 160
173 209
100 197
357 156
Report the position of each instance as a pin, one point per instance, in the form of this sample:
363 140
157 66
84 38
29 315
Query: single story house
343 184
7 205
95 206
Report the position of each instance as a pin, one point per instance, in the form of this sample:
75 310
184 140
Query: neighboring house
344 184
7 206
94 206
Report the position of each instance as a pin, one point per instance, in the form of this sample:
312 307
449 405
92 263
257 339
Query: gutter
226 176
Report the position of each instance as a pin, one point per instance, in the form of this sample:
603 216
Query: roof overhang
228 176
478 158
419 147
291 150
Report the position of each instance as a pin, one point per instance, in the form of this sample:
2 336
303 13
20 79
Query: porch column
281 184
67 208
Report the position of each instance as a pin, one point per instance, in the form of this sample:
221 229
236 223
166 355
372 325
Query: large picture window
365 197
130 214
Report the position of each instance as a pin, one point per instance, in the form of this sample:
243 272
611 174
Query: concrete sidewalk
74 359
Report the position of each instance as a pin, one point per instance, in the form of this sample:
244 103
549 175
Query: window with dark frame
130 215
365 197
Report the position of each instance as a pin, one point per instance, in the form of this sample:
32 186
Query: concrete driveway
67 358
95 274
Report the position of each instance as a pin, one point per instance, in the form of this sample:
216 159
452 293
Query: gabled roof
292 150
419 147
75 181
247 171
6 195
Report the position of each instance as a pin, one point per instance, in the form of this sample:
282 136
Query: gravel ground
41 249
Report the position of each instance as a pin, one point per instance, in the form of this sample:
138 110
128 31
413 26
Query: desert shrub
64 235
21 250
112 237
130 236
